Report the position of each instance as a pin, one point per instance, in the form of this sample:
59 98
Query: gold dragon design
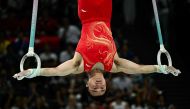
104 38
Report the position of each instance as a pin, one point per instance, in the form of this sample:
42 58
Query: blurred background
57 34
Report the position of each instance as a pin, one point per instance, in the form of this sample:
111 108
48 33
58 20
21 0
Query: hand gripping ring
30 55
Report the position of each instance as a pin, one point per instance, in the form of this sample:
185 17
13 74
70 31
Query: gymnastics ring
163 51
32 39
30 54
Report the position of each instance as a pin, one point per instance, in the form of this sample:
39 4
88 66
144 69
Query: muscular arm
129 67
63 69
72 66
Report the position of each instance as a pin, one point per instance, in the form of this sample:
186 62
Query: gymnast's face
97 84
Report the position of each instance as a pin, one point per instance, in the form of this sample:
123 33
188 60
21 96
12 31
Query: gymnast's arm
72 66
64 69
129 67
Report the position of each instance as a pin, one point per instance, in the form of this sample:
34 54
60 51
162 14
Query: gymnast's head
96 83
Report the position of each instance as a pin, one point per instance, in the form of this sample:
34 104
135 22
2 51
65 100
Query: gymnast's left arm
63 69
129 67
72 66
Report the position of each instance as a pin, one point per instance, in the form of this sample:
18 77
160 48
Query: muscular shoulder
78 62
115 64
77 57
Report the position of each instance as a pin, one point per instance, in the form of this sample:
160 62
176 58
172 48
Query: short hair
101 98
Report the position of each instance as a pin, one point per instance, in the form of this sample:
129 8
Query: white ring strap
30 54
163 51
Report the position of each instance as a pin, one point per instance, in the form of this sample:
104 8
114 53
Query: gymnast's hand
30 73
168 69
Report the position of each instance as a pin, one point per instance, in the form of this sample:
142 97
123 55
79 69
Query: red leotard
96 43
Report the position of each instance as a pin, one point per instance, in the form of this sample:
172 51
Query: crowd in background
58 20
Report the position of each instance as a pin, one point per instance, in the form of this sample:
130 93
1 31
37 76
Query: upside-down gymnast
96 51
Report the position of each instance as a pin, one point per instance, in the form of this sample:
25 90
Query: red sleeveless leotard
96 43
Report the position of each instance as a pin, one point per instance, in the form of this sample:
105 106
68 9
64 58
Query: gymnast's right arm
69 67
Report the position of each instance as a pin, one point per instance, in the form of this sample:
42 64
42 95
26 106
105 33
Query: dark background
176 87
142 40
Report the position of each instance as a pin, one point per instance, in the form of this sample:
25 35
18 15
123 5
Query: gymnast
96 51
